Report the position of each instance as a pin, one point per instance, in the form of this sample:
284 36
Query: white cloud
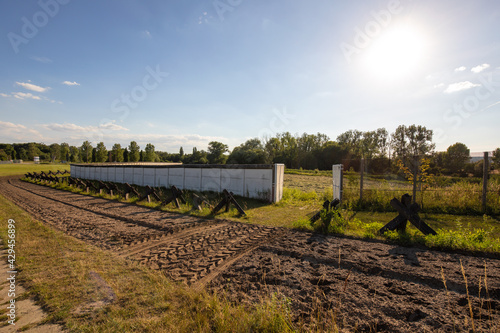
9 126
10 132
76 134
69 83
460 69
65 127
146 34
459 86
32 87
111 126
480 68
21 95
42 59
68 127
439 85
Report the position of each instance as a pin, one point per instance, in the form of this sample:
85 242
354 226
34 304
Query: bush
330 222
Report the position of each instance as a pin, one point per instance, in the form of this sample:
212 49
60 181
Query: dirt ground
360 285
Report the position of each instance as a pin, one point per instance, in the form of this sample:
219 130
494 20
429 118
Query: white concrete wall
261 183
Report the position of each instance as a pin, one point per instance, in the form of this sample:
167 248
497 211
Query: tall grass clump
292 195
330 222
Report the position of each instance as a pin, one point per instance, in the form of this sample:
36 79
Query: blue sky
184 73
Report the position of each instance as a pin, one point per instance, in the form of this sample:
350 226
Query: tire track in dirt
185 248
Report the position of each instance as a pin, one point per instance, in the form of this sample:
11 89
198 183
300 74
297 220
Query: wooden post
361 174
415 177
486 169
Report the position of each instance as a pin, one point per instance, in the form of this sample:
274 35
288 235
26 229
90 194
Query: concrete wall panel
138 176
149 176
128 175
192 179
211 180
233 180
262 183
119 175
161 177
92 172
176 177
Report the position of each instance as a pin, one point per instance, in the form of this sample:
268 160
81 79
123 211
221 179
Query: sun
396 54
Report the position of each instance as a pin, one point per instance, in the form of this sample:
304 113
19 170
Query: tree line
379 150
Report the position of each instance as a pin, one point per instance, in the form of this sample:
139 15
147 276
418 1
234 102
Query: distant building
36 159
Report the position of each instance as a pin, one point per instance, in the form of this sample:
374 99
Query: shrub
330 222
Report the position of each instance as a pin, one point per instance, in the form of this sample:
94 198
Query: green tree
309 147
289 150
117 153
273 148
74 154
134 152
216 151
181 152
4 156
198 157
331 153
23 154
9 151
251 152
456 157
150 155
383 142
496 158
64 152
86 151
101 153
412 141
125 155
55 151
33 151
351 140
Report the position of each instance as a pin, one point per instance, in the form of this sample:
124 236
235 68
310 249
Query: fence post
486 169
361 174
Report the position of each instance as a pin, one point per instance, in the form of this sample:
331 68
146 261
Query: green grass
21 169
57 270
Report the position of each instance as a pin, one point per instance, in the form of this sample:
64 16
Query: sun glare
395 54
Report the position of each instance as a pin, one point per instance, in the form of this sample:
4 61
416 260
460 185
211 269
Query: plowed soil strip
134 249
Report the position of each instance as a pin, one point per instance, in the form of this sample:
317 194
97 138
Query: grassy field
21 169
445 195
